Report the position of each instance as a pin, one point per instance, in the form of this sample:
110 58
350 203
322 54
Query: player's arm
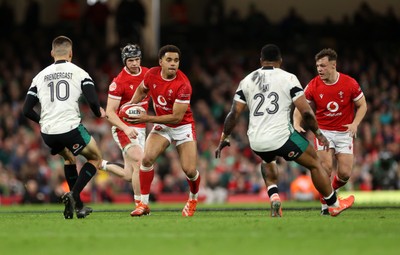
298 119
309 119
30 101
178 111
232 118
113 118
361 110
229 124
140 94
89 92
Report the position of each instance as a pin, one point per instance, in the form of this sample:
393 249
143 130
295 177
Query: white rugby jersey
269 94
58 89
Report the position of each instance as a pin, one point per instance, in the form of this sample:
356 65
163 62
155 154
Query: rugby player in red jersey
340 106
170 91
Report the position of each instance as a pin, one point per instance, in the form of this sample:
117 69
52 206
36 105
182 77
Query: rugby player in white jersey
57 89
269 93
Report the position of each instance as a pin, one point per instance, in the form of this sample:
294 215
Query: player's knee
146 161
127 178
190 172
96 162
344 176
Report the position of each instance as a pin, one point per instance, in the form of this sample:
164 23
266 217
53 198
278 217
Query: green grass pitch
368 228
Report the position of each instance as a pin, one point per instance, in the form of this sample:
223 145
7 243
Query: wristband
224 137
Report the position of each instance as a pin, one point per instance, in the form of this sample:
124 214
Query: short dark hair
327 52
60 40
168 48
270 52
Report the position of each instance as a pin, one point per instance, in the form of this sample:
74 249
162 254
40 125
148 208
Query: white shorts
341 142
124 142
181 134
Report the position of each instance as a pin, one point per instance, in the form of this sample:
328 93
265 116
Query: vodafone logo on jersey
332 106
161 100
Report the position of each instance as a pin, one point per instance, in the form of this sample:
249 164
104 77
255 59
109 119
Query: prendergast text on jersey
56 76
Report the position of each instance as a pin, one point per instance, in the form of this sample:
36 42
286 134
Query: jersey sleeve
30 101
146 80
115 90
239 94
296 90
308 92
184 94
356 91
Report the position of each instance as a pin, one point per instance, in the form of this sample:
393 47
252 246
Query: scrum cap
130 51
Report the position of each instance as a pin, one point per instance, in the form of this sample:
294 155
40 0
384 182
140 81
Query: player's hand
352 129
323 141
131 132
222 144
141 118
298 128
102 112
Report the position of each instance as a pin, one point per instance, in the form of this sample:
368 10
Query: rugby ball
128 111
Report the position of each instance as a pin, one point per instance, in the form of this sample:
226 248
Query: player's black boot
83 212
69 202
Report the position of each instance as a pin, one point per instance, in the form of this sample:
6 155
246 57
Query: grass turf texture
367 228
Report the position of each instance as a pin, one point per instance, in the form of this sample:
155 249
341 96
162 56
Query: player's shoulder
45 71
144 69
120 75
152 73
154 70
347 78
252 76
73 66
286 74
182 76
314 81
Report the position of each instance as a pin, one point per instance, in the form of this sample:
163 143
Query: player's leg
345 167
310 160
344 158
321 181
188 158
132 159
326 158
77 141
124 143
269 172
156 143
116 169
71 175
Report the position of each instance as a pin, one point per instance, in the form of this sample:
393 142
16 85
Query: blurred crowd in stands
216 56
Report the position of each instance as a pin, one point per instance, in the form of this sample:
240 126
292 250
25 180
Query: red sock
194 184
337 183
145 177
321 199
